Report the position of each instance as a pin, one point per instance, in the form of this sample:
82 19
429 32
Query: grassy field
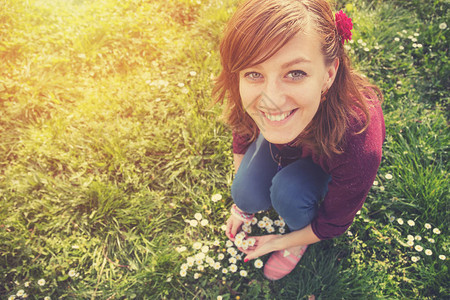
115 168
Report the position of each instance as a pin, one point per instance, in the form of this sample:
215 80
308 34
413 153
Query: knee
250 196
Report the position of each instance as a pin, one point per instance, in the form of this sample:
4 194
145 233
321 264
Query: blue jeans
294 191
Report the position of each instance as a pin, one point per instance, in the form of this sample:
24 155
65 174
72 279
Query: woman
306 127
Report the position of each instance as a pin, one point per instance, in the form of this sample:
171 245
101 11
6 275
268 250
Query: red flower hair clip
344 26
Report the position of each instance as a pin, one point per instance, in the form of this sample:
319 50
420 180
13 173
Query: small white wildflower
183 273
388 176
349 233
233 268
375 183
401 48
180 84
24 296
184 267
232 260
258 263
229 244
254 221
270 229
281 230
200 256
72 273
216 243
205 249
198 216
243 273
41 282
223 227
216 266
27 284
247 229
192 73
220 256
391 219
418 238
411 223
196 275
415 258
219 298
414 45
360 41
75 247
251 242
400 221
193 223
382 188
436 231
366 49
431 240
197 245
12 297
204 222
416 34
216 197
410 243
410 237
20 293
181 249
427 226
261 224
414 40
428 252
443 26
224 270
442 257
418 248
397 39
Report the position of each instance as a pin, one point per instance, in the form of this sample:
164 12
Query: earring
323 96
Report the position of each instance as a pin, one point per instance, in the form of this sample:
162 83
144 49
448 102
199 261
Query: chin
277 139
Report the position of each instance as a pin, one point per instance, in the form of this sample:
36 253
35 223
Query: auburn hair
257 30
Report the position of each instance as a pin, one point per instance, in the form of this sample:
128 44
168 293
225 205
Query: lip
279 123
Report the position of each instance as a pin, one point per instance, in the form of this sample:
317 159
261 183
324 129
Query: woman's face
283 93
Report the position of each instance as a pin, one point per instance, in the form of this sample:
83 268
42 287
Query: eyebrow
294 62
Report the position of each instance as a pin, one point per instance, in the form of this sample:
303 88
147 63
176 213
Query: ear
330 74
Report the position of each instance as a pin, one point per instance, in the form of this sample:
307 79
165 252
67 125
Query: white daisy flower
216 243
232 260
198 216
192 73
193 223
388 176
397 39
41 282
410 243
184 267
223 227
428 252
197 245
181 249
180 84
400 221
418 248
243 273
204 222
72 273
411 223
201 268
183 273
443 26
415 258
281 230
436 231
442 257
47 298
224 270
229 244
427 226
196 275
375 183
259 264
216 266
216 197
233 268
20 293
254 221
410 237
220 256
431 240
251 242
418 238
205 249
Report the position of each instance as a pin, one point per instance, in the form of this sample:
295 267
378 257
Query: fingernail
232 236
246 260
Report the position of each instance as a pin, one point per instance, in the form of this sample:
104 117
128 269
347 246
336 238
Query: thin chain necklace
277 158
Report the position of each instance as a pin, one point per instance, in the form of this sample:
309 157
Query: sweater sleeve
240 143
352 175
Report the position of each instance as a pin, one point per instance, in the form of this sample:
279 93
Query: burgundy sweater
352 173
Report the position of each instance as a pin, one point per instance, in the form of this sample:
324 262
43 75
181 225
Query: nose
272 95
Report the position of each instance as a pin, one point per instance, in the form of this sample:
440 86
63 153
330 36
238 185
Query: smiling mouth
278 117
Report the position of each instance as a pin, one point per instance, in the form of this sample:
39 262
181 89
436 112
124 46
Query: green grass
109 144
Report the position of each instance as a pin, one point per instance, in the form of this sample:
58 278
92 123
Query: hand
264 244
233 227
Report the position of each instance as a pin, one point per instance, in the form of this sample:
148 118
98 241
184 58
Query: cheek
248 94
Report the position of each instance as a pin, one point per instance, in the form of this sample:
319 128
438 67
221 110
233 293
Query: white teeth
279 117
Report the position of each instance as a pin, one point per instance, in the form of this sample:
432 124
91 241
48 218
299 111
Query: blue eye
253 75
296 74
